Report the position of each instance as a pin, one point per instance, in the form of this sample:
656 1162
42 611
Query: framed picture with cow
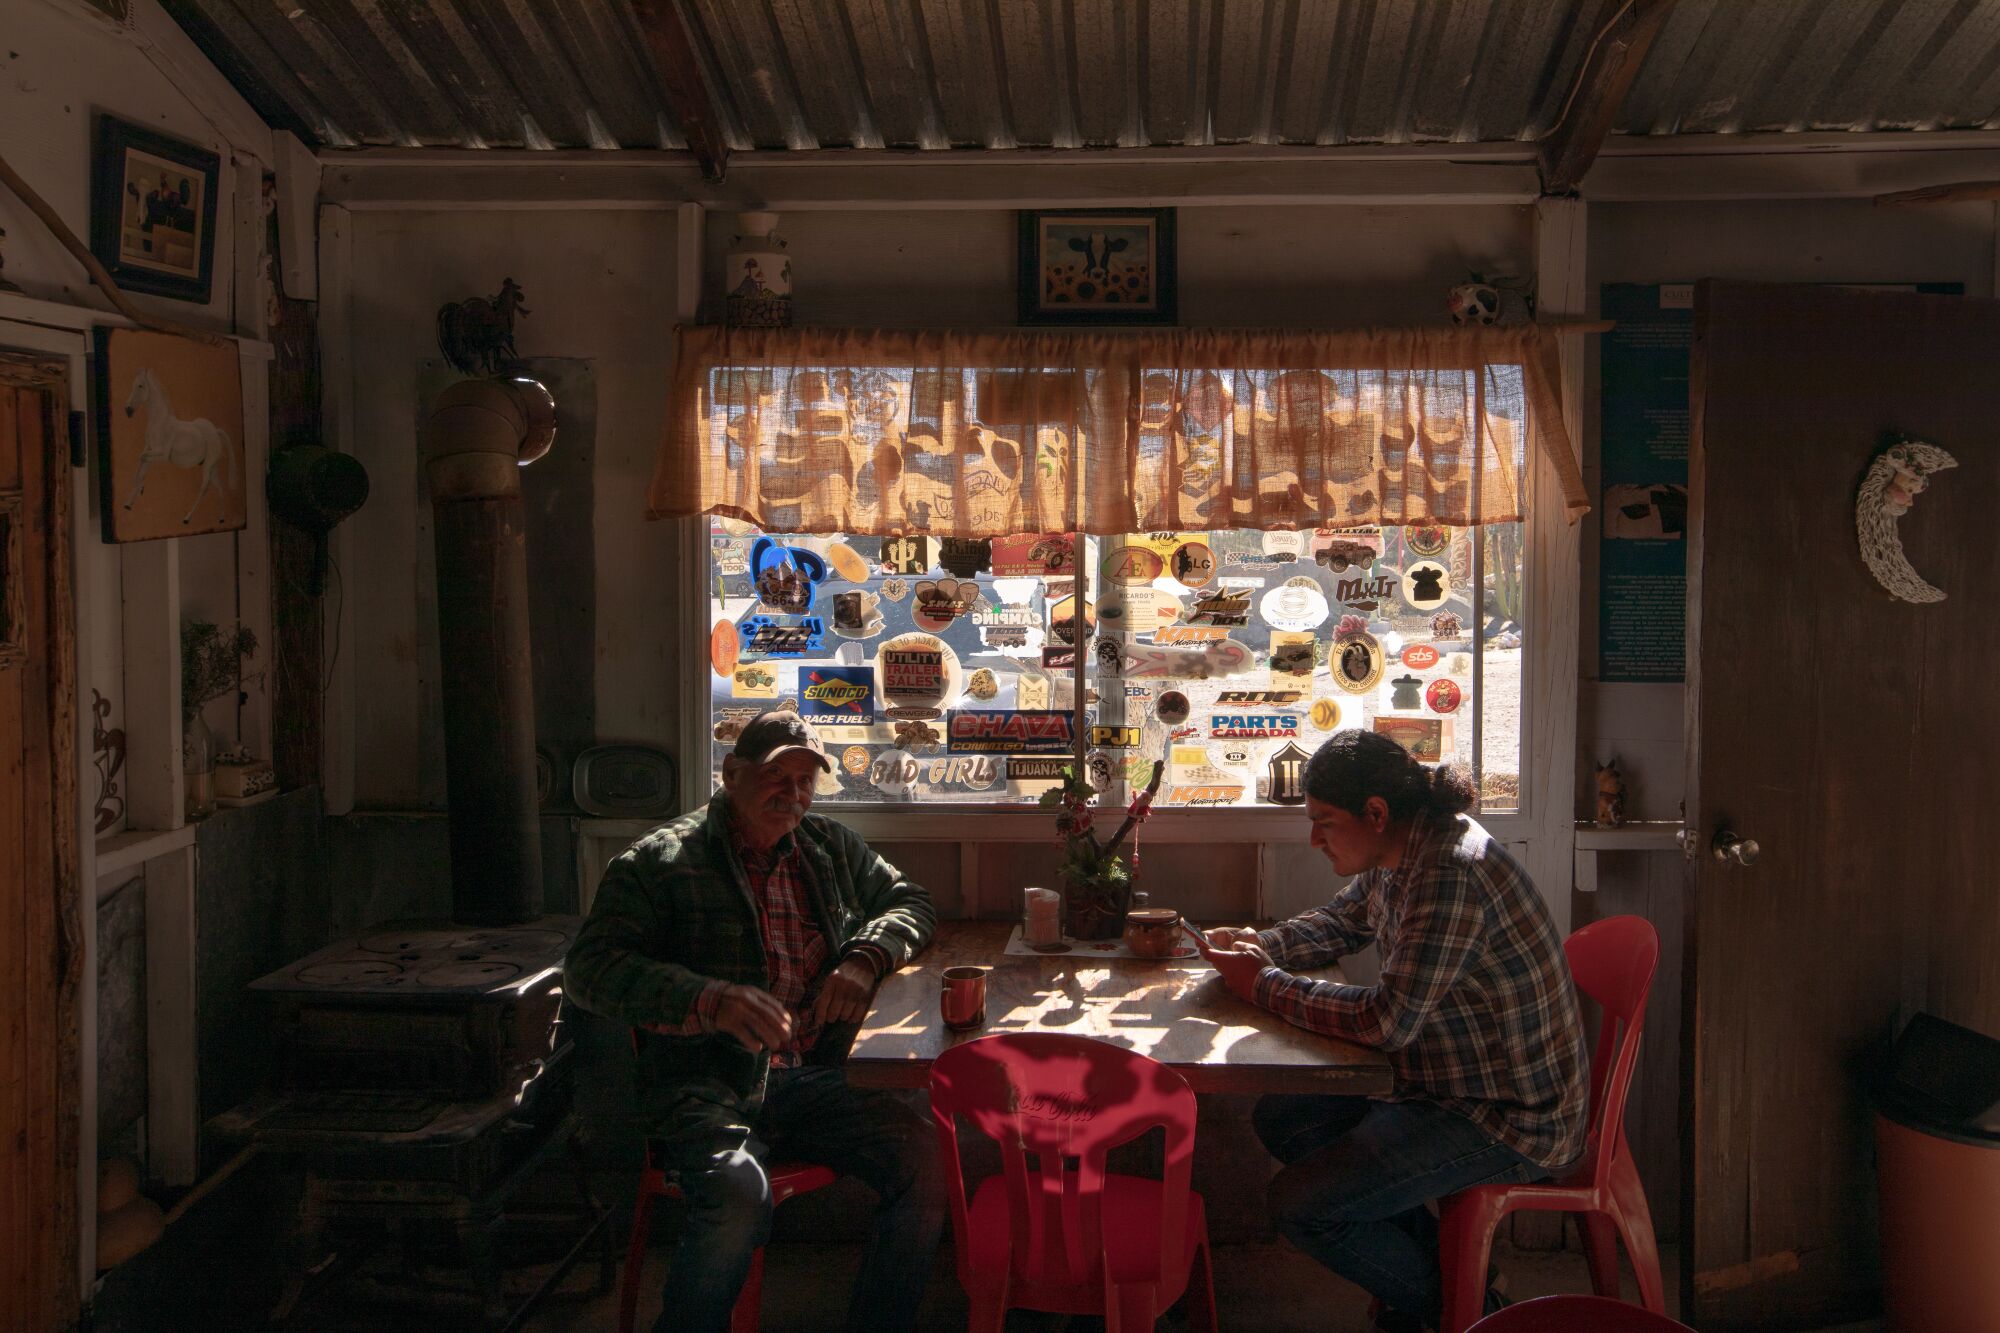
1097 266
152 211
169 436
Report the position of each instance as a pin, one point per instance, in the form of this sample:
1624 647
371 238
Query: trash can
1937 1155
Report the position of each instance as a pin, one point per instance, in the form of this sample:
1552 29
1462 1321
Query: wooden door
40 943
1856 739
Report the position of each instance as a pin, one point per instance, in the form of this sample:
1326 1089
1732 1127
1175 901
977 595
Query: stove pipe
478 437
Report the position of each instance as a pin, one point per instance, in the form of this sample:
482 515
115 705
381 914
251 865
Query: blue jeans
1356 1176
810 1114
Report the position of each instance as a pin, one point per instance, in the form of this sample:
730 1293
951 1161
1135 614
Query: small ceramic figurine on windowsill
242 779
1610 795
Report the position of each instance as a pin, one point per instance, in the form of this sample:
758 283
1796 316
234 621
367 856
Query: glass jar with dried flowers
211 666
1097 882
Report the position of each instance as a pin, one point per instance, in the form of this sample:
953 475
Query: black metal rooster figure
477 336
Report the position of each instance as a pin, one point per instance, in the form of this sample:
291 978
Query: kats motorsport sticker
1253 726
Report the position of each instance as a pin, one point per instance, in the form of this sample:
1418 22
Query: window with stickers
945 670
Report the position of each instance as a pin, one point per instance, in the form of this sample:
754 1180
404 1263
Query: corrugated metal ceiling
999 74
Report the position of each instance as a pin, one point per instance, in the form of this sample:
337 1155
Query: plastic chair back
1577 1314
1613 962
1066 1101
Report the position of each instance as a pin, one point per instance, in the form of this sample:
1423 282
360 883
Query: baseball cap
776 732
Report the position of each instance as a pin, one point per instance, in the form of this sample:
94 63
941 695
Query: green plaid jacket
674 912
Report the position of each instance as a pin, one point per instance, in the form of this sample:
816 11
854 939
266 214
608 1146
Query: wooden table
1177 1011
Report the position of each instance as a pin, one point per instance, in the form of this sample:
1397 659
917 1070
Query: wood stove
423 1074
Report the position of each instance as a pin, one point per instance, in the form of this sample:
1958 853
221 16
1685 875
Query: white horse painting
191 444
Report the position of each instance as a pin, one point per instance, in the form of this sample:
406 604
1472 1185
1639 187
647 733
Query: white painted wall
61 62
600 286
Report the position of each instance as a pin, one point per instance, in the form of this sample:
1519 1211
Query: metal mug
962 997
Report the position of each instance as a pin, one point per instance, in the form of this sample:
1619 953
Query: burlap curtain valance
965 434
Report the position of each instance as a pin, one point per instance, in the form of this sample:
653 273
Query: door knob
1728 847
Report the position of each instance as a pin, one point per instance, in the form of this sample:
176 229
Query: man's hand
753 1017
845 996
1240 965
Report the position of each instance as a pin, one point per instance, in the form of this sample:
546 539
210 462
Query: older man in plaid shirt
1475 1008
747 939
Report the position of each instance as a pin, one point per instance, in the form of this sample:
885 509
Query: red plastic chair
1577 1314
788 1179
1064 1234
1613 962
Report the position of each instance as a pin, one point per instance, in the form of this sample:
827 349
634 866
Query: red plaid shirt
1475 1006
794 949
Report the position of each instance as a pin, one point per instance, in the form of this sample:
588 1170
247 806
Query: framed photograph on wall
170 436
1097 266
152 210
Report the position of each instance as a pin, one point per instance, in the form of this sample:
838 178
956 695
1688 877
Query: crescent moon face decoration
1895 479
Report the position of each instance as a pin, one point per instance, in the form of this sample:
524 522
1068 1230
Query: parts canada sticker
1253 726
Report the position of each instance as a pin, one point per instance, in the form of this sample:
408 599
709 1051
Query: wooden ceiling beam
672 48
1608 71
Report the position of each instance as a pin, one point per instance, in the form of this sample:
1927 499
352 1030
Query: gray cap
776 732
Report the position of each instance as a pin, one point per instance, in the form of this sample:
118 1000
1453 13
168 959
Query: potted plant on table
1097 882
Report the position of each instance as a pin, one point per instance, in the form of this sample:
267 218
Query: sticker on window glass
1292 655
1324 715
1420 657
1426 538
1403 693
1357 662
1423 737
1286 777
1222 606
1032 553
731 556
916 675
997 732
937 602
1031 692
1192 564
1444 695
754 680
966 556
1365 592
1426 584
907 555
724 647
857 614
1173 708
837 694
1131 565
765 636
785 576
847 563
1295 604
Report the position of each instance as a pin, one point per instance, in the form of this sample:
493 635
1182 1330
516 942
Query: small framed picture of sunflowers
1097 266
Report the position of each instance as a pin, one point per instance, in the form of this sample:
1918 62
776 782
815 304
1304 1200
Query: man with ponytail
1474 1007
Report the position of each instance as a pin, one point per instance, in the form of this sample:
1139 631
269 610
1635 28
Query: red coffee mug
962 997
